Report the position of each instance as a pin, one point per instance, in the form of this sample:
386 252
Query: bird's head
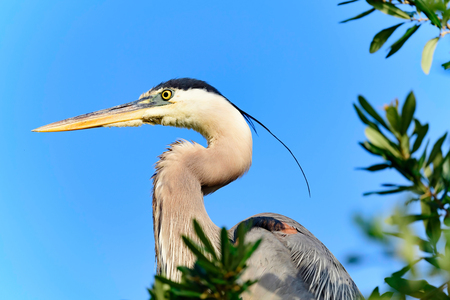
183 102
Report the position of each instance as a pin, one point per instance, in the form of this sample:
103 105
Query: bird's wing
321 272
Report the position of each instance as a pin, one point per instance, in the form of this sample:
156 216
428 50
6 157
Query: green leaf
409 287
369 109
379 140
225 247
190 294
408 219
372 149
169 282
446 66
361 15
381 37
399 43
434 293
427 54
421 131
393 118
206 242
377 167
394 191
404 270
404 145
407 112
423 245
375 295
389 8
433 229
363 118
387 296
422 5
433 261
200 256
347 2
436 149
158 292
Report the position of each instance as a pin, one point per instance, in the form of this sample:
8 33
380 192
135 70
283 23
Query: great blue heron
291 263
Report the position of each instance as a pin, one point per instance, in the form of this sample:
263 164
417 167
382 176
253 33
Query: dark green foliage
432 12
423 6
381 37
361 15
428 176
214 275
402 40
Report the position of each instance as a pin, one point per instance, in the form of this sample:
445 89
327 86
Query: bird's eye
166 94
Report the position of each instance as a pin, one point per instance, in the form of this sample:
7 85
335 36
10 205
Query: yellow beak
121 113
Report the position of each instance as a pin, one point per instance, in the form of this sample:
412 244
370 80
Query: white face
195 108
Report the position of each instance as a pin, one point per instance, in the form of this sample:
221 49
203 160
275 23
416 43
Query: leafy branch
417 12
213 276
428 175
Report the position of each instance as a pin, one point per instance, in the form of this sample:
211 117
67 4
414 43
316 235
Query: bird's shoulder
322 274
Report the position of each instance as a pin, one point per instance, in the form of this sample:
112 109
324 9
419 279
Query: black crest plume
191 83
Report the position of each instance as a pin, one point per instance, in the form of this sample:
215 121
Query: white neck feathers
188 171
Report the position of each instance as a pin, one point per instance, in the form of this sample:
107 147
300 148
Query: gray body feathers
294 265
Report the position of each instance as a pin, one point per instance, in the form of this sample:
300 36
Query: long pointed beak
121 113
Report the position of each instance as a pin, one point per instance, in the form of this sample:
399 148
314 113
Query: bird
290 263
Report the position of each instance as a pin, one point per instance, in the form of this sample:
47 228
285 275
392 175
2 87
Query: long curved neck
187 172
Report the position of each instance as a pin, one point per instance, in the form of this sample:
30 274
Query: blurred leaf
434 293
408 110
206 242
381 37
375 295
225 245
369 109
387 296
404 147
433 262
408 219
399 43
420 131
189 294
423 245
347 2
377 167
363 118
361 15
446 169
372 227
379 140
372 149
436 149
393 118
413 288
159 290
389 8
423 6
427 54
433 229
394 191
446 66
353 259
205 262
404 270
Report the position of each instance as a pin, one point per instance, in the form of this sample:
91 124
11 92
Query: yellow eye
166 94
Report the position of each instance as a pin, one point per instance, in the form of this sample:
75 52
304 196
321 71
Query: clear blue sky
75 207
